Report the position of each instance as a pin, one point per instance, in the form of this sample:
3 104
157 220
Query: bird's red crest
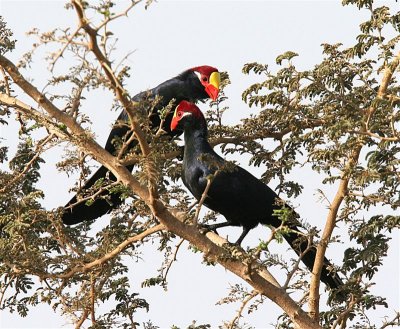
188 107
210 78
205 70
183 109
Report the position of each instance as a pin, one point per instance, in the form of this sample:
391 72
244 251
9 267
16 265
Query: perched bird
198 83
233 192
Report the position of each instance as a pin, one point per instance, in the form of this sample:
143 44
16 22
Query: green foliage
325 118
7 43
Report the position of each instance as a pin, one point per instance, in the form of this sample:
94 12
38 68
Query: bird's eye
179 114
205 79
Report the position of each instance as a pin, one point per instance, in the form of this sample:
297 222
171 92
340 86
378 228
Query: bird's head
186 113
210 78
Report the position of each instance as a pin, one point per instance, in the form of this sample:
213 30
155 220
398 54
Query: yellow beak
212 88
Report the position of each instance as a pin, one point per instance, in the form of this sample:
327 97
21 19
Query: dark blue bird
233 192
198 83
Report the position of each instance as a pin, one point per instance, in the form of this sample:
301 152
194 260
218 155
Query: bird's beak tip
212 91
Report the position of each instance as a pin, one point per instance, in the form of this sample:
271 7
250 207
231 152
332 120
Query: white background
168 38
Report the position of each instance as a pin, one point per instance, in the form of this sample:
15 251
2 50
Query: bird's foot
204 228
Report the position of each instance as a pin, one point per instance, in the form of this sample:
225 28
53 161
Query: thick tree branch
255 277
77 134
122 246
121 93
237 265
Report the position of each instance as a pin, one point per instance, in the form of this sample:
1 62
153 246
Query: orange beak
212 89
212 92
174 121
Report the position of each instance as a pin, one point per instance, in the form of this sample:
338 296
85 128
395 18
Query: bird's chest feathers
195 175
199 162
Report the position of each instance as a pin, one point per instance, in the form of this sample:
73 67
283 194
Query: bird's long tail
300 244
100 206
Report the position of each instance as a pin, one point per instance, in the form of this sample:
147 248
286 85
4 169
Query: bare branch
395 322
240 310
172 260
114 17
92 299
371 134
61 52
203 197
296 265
82 319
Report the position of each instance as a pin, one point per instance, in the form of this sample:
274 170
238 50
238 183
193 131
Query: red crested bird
233 192
198 83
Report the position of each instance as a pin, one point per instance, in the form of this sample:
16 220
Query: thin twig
5 79
172 260
296 265
113 17
126 144
253 294
37 154
203 197
394 322
92 299
88 266
371 134
92 196
61 52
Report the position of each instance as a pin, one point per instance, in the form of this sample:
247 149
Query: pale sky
168 38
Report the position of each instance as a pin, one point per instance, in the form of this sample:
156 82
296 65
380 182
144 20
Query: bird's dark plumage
198 83
235 193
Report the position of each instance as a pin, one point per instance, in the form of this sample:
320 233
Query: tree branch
92 299
77 134
172 260
108 256
37 154
120 92
237 264
342 193
240 310
61 51
114 17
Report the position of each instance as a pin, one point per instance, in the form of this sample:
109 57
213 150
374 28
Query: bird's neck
196 141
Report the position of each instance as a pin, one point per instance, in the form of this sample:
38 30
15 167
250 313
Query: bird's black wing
246 201
104 203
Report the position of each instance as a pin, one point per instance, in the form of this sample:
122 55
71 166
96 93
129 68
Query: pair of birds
235 193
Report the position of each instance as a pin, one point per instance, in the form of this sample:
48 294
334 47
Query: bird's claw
204 229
